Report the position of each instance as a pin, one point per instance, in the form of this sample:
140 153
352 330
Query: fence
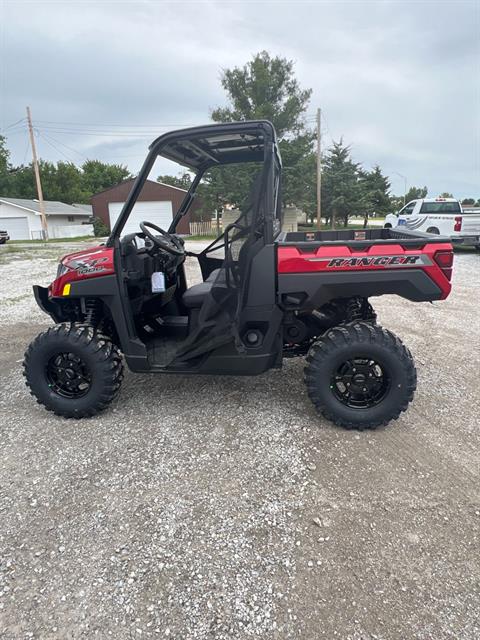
206 228
291 215
70 231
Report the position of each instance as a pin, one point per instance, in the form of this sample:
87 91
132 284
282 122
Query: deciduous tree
266 88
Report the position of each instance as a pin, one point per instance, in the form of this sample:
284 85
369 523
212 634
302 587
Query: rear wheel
73 370
433 230
360 376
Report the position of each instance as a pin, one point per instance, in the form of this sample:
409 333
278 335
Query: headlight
61 270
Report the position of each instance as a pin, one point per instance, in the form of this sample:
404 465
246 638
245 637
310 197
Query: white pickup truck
442 216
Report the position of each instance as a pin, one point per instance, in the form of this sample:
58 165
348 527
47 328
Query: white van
442 216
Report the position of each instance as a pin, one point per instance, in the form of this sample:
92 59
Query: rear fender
309 278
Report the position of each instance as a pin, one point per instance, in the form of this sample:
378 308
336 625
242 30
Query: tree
97 176
182 181
468 201
266 88
414 193
62 182
22 182
445 194
4 156
341 187
375 189
5 167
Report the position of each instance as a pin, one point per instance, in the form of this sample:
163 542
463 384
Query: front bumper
43 301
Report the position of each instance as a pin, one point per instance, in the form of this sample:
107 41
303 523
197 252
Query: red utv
266 295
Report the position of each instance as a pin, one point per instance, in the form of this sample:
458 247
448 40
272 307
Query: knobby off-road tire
83 354
360 344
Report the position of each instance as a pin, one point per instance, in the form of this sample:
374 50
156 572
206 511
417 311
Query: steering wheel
168 242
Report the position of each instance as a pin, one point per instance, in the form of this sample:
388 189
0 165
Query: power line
62 144
109 134
26 151
107 124
54 146
13 124
15 131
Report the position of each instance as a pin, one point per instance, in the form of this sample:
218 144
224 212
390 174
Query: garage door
17 228
158 212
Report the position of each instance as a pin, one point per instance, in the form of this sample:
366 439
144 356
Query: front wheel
73 370
360 376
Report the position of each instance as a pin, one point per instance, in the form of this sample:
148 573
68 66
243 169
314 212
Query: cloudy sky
400 81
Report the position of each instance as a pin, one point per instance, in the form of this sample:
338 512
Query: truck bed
318 266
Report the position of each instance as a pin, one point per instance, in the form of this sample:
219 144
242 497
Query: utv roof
209 145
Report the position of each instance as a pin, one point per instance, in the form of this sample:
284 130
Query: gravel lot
217 508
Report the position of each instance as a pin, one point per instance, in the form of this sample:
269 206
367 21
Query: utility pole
43 217
405 185
319 169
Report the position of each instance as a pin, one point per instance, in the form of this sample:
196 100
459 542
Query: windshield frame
162 147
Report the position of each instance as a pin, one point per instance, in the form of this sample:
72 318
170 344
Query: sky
399 81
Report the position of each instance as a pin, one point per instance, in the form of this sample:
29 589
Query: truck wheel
387 226
433 230
360 376
73 370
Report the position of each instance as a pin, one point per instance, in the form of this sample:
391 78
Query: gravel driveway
218 508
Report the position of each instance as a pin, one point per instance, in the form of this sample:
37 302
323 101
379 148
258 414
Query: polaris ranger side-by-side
265 295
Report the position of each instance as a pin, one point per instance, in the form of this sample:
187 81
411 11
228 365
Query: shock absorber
360 309
92 312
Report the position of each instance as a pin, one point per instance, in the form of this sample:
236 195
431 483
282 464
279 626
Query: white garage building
21 219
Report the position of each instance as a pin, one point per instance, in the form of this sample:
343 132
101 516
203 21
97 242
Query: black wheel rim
68 376
360 383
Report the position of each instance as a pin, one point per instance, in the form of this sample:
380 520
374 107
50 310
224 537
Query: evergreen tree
341 187
375 189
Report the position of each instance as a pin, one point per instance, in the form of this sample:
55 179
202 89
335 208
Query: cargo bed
314 267
357 237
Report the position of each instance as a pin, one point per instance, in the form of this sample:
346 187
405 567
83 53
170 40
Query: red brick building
157 203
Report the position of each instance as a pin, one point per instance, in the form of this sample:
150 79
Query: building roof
52 208
158 184
86 207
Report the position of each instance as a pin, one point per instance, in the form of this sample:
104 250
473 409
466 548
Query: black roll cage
200 149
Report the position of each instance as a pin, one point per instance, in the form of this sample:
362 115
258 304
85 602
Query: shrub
99 227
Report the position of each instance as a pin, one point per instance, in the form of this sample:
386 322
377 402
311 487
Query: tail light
458 223
444 259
